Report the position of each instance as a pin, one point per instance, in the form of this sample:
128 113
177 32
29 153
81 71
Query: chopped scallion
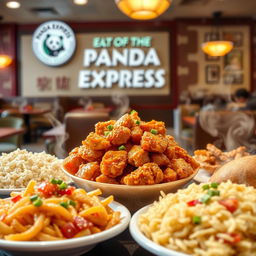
110 127
215 184
154 131
122 147
63 185
34 198
213 192
196 219
71 202
205 199
64 204
38 202
106 133
53 181
205 186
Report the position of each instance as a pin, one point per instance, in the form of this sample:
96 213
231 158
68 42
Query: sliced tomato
230 204
47 188
81 223
68 191
16 198
69 230
236 238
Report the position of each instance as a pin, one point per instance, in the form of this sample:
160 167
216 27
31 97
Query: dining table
10 131
26 113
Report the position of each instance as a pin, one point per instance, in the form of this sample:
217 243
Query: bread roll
241 171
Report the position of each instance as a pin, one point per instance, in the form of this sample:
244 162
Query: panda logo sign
54 43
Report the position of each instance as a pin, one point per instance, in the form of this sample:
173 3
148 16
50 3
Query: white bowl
202 176
7 191
146 243
73 246
133 197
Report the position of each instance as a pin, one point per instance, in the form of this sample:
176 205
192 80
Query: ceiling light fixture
217 47
13 4
80 2
143 9
5 61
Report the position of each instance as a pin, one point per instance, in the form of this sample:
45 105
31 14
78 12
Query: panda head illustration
53 45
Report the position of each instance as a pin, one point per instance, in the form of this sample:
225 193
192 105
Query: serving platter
73 246
146 243
133 197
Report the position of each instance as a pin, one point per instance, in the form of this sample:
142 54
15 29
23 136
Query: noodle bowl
201 222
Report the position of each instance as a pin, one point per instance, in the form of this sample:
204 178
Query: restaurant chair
78 125
183 131
200 137
13 142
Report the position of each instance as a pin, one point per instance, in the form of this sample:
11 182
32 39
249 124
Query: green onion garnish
110 127
133 111
34 198
215 184
137 122
63 185
53 181
205 186
205 199
213 192
59 182
64 204
106 133
154 131
38 202
196 219
71 202
122 147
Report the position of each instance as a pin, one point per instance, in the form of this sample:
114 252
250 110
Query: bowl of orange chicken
130 159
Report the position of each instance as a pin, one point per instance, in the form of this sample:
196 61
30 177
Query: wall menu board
134 63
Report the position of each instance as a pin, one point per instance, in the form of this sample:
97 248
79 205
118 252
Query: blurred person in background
241 98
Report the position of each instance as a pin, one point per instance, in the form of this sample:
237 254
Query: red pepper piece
193 203
16 198
230 204
68 191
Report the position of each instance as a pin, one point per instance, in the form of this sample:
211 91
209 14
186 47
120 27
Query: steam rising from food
233 128
59 140
122 103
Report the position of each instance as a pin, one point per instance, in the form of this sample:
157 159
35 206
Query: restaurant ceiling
35 11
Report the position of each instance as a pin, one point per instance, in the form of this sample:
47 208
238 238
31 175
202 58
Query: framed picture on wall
235 37
235 78
212 74
233 67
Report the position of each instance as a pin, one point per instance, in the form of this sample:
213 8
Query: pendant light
143 9
217 47
5 61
